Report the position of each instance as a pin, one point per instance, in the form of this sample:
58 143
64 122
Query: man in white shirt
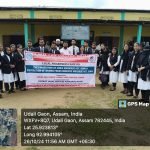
74 50
65 50
58 44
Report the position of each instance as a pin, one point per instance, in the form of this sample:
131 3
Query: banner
59 71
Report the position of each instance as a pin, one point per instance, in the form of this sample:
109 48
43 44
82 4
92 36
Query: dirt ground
64 98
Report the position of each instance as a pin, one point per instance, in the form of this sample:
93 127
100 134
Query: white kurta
132 76
113 76
15 76
143 85
65 51
122 75
8 78
22 76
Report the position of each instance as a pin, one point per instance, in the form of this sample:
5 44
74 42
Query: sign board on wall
75 32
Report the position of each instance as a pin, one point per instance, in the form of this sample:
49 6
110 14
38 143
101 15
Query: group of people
12 69
132 67
12 61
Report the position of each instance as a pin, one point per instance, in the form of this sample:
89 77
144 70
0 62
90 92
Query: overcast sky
98 4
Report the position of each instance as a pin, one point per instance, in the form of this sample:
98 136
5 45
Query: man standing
30 47
94 49
58 44
74 50
87 49
53 49
65 50
97 52
41 47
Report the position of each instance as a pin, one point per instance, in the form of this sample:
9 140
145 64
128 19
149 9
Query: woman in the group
8 65
123 68
20 67
113 63
104 69
144 73
132 71
16 79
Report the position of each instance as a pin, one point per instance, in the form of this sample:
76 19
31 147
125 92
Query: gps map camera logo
122 104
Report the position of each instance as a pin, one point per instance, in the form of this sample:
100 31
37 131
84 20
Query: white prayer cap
57 40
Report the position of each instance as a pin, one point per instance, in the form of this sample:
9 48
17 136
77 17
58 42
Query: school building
113 27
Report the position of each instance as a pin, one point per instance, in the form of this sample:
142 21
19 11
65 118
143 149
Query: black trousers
114 84
145 95
9 87
22 84
1 86
125 85
106 83
107 79
98 62
17 82
133 86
